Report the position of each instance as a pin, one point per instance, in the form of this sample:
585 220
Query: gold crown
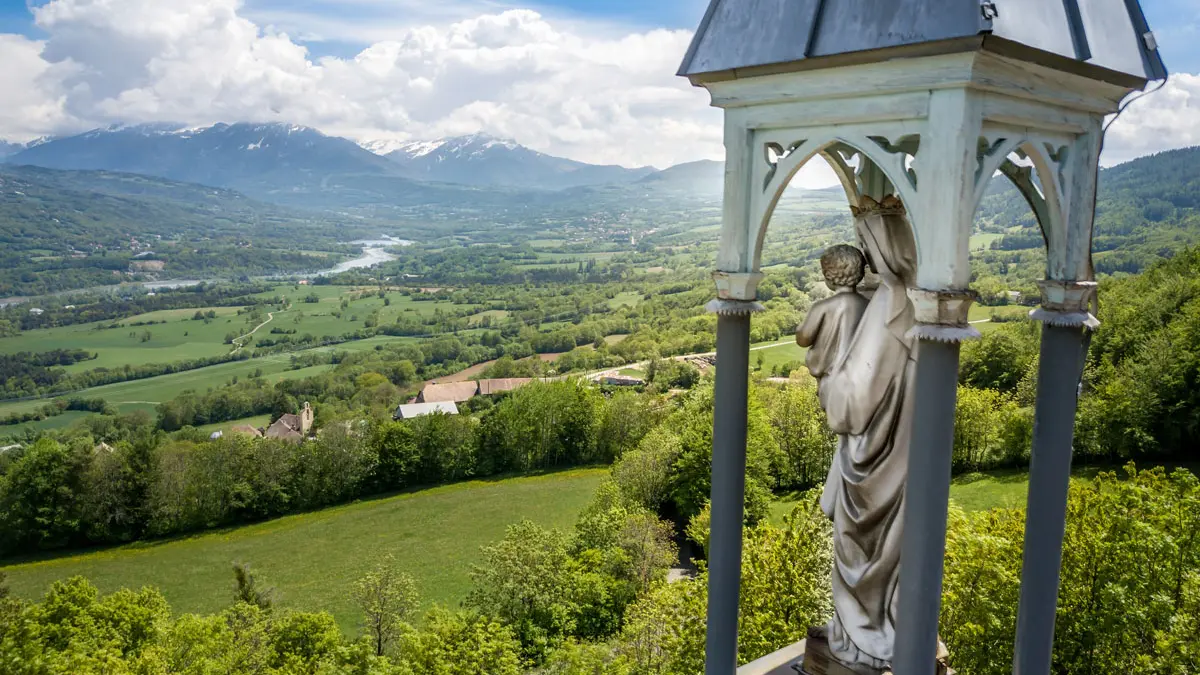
889 206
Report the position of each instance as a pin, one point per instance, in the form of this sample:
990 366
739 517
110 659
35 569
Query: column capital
942 315
1067 304
737 285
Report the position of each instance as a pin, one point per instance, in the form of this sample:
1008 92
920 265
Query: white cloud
585 91
512 74
30 107
1162 120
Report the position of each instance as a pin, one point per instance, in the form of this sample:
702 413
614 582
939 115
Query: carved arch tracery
1046 195
780 158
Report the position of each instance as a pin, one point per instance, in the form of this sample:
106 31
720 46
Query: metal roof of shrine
1107 39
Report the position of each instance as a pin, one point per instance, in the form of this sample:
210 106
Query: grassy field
777 355
980 312
313 559
972 491
147 394
182 337
983 240
626 299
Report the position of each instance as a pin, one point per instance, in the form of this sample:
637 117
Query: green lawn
258 422
180 338
777 355
313 559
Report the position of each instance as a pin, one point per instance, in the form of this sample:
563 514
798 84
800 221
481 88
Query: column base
819 660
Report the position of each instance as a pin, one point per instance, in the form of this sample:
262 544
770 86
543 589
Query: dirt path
238 340
642 364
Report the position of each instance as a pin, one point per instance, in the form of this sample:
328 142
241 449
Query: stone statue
865 363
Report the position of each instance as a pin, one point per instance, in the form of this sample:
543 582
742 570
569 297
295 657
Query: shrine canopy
1105 40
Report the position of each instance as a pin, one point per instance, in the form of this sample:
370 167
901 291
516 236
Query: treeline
58 407
1139 396
73 491
34 370
130 302
48 382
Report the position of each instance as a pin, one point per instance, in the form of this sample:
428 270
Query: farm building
292 427
459 392
492 387
449 392
410 410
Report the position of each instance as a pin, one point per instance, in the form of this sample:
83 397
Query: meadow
174 335
978 491
148 393
313 559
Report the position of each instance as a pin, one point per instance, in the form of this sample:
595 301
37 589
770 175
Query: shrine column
941 327
728 470
946 167
1066 322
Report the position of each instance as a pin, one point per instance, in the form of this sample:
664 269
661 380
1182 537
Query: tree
644 474
388 599
647 543
805 442
40 497
527 581
452 643
246 588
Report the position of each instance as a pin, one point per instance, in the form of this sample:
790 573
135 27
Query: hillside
435 534
68 229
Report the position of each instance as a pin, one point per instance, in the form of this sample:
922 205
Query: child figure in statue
831 322
830 325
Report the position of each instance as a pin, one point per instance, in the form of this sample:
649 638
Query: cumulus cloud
1161 120
587 92
512 74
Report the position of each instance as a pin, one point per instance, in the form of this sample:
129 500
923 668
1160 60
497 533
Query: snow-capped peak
409 148
471 144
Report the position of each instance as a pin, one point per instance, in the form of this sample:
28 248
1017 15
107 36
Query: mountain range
479 159
301 166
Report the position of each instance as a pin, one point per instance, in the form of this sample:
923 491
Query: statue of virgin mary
868 397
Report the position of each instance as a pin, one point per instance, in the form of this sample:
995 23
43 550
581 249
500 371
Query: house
411 410
246 430
291 427
492 387
36 311
452 392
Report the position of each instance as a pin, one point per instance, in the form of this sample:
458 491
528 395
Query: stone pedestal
818 660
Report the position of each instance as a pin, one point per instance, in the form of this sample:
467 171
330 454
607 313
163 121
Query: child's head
843 266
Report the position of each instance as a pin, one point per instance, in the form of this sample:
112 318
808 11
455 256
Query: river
374 252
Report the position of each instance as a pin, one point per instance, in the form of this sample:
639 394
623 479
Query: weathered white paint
932 130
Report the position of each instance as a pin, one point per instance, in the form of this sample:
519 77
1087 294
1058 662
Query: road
237 340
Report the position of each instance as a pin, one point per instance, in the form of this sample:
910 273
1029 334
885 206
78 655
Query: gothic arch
883 168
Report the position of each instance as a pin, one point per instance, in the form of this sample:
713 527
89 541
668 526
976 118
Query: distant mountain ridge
223 155
301 166
483 160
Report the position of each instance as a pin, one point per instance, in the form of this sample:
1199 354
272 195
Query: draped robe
868 398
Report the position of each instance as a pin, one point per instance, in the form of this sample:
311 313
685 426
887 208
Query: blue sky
1175 22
